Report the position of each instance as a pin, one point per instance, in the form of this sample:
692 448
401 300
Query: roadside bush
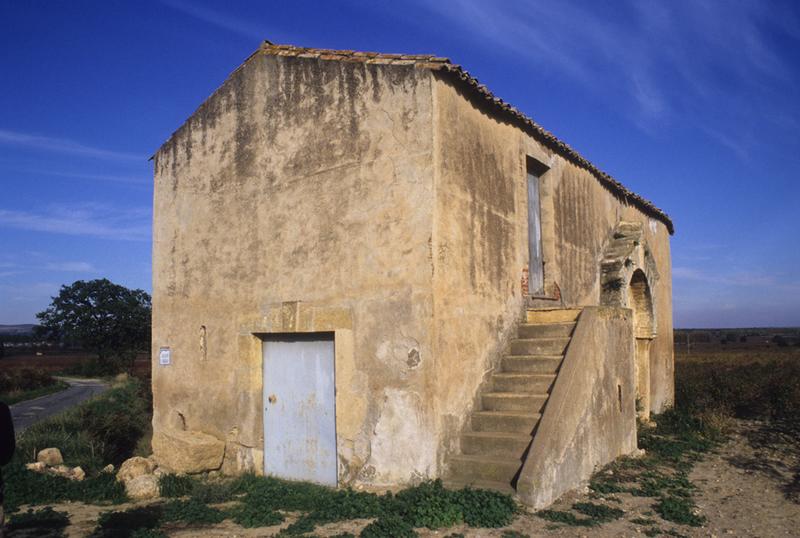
101 431
24 379
95 367
25 383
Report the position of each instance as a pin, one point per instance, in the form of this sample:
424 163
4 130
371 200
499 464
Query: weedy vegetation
265 501
44 522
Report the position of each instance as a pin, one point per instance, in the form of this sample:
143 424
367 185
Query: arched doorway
640 301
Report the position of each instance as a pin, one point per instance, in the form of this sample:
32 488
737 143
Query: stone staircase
501 428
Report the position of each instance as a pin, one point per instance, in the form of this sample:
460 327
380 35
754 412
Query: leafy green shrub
251 516
566 518
679 510
485 508
172 485
44 522
389 526
148 533
129 523
430 505
598 512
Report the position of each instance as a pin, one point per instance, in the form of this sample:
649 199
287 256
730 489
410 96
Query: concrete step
504 444
513 401
504 421
471 469
502 487
516 382
531 364
535 346
546 330
559 315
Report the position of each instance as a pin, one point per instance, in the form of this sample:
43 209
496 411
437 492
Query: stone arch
640 300
627 277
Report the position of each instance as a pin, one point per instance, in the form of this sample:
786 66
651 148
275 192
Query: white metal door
299 409
536 269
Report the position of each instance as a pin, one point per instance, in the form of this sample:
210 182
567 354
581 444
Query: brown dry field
55 362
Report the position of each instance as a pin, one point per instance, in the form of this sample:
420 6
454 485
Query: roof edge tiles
459 76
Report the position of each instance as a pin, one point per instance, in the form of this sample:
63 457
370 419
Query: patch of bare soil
749 486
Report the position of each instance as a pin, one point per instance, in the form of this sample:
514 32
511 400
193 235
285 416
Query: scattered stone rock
61 470
78 474
50 457
134 468
108 468
38 467
142 487
188 451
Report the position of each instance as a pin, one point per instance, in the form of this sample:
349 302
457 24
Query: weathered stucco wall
480 249
590 418
299 198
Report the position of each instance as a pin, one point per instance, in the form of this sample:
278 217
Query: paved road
32 411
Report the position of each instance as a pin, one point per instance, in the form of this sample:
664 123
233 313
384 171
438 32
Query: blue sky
693 104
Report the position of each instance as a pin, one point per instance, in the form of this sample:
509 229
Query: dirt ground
750 486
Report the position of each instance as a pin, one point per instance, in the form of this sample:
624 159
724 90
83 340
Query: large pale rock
142 487
188 451
50 456
134 468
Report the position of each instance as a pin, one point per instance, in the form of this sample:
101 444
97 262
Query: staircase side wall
590 418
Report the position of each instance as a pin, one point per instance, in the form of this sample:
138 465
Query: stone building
369 270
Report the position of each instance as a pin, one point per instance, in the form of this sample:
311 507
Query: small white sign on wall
164 356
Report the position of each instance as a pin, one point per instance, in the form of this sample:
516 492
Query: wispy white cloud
71 267
96 177
712 65
62 145
26 266
735 278
220 19
91 220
